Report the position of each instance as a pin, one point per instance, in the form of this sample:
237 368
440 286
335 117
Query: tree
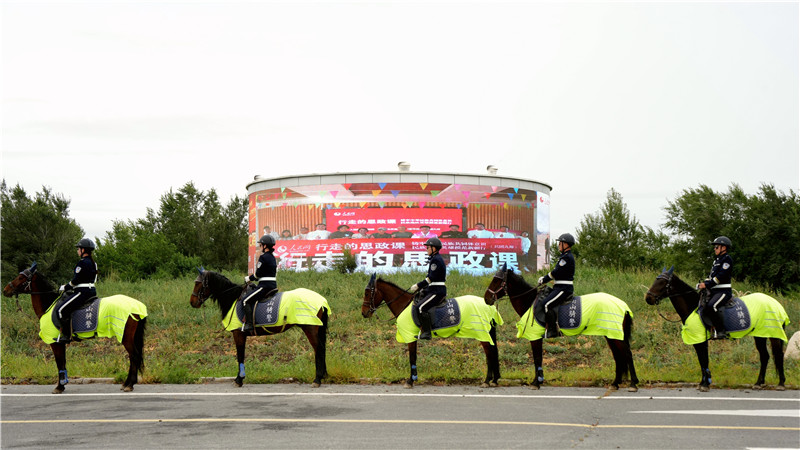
614 238
763 228
37 229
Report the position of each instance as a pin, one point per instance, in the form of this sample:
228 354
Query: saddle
84 319
446 315
735 315
266 310
569 312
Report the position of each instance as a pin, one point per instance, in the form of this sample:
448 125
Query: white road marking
732 412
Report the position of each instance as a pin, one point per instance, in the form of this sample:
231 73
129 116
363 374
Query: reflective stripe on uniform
722 286
267 279
84 285
563 282
437 283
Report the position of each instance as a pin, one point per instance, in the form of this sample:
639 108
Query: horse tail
138 345
627 326
322 333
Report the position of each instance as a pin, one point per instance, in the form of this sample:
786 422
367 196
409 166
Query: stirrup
720 335
553 333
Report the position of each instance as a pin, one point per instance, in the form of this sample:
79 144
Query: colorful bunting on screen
494 188
435 193
362 204
466 193
283 189
523 197
347 186
487 195
423 185
381 204
376 192
409 204
395 193
382 185
516 190
421 204
456 186
510 195
334 193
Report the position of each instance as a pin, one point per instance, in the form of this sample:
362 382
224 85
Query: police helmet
434 242
722 240
267 240
567 239
86 244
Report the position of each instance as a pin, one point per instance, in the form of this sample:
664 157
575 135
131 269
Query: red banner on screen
439 219
396 246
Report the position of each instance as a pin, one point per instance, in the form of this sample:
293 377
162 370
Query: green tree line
192 228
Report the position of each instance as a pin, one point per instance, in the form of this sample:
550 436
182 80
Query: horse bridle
372 308
503 288
205 292
667 291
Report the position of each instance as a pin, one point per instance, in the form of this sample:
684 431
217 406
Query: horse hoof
127 388
315 385
238 383
493 384
780 387
702 388
613 387
758 387
633 389
408 386
534 387
484 385
58 390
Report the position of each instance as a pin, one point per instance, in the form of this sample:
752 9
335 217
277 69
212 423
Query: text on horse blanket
600 314
445 316
477 319
112 315
767 319
736 317
296 307
84 319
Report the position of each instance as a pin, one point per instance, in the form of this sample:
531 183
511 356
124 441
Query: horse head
22 283
368 307
497 287
661 287
201 291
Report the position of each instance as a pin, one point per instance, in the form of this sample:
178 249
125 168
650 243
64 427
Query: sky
112 104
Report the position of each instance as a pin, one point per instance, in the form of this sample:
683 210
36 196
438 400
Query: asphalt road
387 416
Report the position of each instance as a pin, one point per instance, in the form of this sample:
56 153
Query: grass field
184 344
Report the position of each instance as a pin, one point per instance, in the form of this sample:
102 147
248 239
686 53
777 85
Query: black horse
522 296
44 294
220 289
685 300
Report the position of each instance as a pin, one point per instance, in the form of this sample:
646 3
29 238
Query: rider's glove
541 280
246 279
413 288
62 288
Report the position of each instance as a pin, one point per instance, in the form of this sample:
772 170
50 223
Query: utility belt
267 279
563 282
722 286
84 285
436 283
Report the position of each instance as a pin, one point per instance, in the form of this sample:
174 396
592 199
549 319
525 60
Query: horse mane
690 291
222 291
517 278
48 292
390 283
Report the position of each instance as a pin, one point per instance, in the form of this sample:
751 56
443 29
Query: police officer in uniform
433 286
719 282
563 274
266 271
79 291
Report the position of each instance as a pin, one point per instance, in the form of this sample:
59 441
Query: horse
608 312
482 324
299 307
768 319
111 309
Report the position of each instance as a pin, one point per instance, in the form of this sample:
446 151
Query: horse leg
495 356
129 339
702 357
777 355
763 355
240 339
627 326
311 332
412 361
613 344
536 350
60 354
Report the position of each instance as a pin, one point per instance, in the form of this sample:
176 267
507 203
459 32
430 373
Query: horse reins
372 307
666 294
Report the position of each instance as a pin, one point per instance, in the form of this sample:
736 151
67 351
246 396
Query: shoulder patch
259 264
78 269
726 266
433 266
562 263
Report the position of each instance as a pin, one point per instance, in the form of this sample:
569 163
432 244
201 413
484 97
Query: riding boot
66 331
718 319
247 327
425 326
552 325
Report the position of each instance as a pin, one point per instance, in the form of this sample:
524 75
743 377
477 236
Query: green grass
184 344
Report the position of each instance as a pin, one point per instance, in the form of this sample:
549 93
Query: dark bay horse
767 322
226 293
44 294
397 299
522 296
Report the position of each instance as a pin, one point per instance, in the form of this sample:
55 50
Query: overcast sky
114 103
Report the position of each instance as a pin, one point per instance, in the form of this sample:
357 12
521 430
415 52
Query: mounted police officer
719 283
79 291
563 274
433 286
266 271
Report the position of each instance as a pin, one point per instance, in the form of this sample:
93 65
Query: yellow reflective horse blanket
601 315
767 319
112 316
297 307
476 322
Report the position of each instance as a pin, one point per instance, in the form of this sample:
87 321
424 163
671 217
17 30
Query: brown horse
215 286
685 300
522 296
44 294
397 299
